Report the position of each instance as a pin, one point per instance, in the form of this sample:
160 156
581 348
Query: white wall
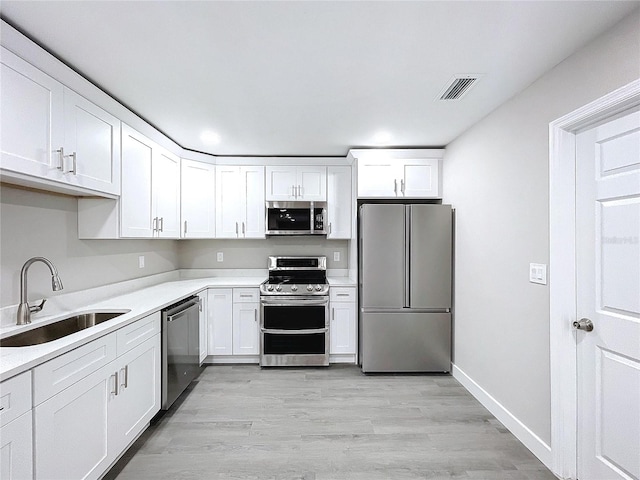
35 223
496 175
253 253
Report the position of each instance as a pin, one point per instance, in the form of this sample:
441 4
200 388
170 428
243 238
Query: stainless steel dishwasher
180 348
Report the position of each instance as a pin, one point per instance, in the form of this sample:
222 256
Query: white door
312 184
339 202
281 184
228 201
378 178
16 448
420 178
245 329
32 119
203 317
343 328
253 203
135 200
608 283
220 321
198 199
138 397
166 193
93 135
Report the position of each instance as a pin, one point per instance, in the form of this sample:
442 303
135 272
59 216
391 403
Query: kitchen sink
61 328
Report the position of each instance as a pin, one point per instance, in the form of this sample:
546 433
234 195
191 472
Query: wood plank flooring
241 422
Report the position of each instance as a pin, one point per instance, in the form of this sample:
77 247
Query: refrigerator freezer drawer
405 342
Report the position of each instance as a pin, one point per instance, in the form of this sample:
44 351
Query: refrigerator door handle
407 256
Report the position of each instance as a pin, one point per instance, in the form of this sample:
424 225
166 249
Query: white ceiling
310 78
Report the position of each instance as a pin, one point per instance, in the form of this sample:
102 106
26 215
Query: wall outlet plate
140 261
336 256
220 257
538 273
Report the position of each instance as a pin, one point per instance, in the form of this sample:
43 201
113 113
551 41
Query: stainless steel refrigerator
405 287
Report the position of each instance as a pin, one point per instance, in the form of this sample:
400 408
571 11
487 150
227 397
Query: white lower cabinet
137 398
16 448
343 321
234 323
84 427
203 296
16 428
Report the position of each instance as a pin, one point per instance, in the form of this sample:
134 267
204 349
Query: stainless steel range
294 320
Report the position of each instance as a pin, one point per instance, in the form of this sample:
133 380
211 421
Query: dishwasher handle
175 311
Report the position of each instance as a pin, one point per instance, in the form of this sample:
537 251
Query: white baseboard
530 440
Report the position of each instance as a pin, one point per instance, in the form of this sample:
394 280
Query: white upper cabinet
150 199
92 143
240 207
308 183
198 199
52 134
398 173
339 202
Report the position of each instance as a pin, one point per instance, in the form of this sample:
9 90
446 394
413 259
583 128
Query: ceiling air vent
458 87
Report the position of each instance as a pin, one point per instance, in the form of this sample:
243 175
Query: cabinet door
32 119
71 429
312 184
166 193
203 296
343 328
228 201
281 184
339 202
253 225
93 135
246 329
16 448
138 397
420 178
135 199
220 321
197 199
378 178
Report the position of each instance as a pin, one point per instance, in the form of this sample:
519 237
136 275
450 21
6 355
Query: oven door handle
294 332
280 302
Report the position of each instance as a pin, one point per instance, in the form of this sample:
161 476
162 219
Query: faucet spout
24 310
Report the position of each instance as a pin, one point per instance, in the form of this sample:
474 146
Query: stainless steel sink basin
61 328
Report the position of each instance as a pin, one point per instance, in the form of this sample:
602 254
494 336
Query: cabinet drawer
244 295
134 334
342 294
15 397
63 371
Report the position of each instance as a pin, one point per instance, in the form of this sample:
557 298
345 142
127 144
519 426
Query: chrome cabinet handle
402 186
1 408
255 315
60 153
333 314
154 224
583 324
115 386
330 228
185 227
236 229
161 224
293 191
74 159
395 186
243 229
299 191
126 376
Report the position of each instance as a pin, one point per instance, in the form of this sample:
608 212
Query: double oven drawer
294 331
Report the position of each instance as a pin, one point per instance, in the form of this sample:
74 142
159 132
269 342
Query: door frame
562 261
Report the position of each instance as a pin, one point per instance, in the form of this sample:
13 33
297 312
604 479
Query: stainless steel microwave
296 218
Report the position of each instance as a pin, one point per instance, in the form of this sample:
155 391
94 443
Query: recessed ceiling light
382 138
209 137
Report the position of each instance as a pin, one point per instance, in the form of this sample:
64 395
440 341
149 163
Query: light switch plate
336 256
140 261
220 257
538 273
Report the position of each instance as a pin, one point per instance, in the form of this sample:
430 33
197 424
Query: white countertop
140 302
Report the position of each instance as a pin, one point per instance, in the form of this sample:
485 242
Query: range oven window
294 317
294 344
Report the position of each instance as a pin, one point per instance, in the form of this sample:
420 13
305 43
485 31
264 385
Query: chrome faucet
24 310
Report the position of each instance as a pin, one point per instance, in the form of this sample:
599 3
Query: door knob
583 324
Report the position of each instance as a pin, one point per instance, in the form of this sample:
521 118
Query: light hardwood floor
241 422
